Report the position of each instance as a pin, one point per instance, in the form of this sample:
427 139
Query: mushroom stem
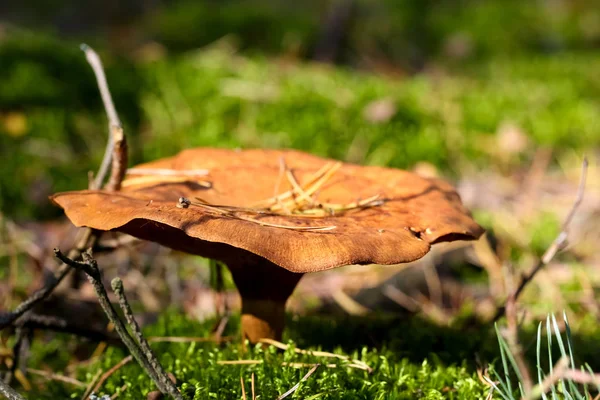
264 288
262 319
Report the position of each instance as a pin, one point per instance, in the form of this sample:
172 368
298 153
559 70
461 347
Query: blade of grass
503 346
587 366
512 360
550 360
572 385
538 352
563 353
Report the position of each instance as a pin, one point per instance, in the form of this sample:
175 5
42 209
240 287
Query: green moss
196 366
411 359
215 98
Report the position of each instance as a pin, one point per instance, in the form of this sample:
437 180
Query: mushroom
273 215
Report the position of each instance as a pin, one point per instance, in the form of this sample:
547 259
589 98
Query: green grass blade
503 356
550 360
563 353
587 366
502 390
538 353
572 386
521 390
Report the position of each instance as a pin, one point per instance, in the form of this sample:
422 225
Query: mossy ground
411 358
530 66
412 363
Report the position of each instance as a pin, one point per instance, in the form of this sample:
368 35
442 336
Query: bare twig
512 339
9 392
239 362
52 323
167 172
119 391
558 373
582 377
252 386
243 388
510 307
56 377
111 112
90 267
558 243
186 339
283 346
119 159
88 237
23 337
297 385
401 298
111 371
90 386
86 240
172 390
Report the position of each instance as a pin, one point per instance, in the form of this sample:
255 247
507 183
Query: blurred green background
377 82
498 96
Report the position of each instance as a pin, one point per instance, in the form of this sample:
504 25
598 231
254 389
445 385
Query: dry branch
165 381
90 267
119 159
558 244
354 363
509 309
9 392
56 377
297 385
88 237
111 112
111 371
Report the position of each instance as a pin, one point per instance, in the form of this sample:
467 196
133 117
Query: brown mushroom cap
416 213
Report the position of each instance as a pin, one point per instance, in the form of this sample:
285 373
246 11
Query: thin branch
111 112
119 391
297 385
582 377
119 159
243 388
56 377
88 238
356 363
117 286
90 386
9 392
187 339
512 339
110 371
23 337
558 244
558 373
52 323
90 267
167 172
